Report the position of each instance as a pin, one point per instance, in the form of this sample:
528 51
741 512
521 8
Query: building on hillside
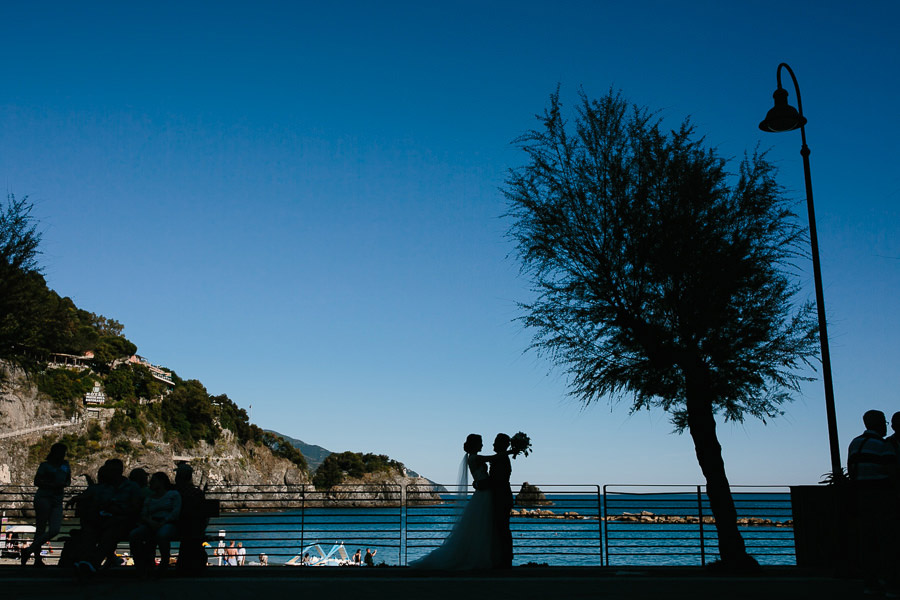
95 396
158 374
71 361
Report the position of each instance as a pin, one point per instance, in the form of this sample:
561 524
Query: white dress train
469 544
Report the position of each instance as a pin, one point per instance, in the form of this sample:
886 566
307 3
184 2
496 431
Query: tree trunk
702 425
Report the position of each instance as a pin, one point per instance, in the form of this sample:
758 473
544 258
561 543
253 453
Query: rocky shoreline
646 516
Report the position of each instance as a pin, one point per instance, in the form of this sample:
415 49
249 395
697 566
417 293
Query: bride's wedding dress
469 544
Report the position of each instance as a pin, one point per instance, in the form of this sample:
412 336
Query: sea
630 535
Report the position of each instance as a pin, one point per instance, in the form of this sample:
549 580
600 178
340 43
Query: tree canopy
339 465
658 275
35 321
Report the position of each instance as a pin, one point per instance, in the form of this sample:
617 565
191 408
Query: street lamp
784 117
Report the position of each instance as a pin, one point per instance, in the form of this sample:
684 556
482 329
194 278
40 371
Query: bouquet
519 444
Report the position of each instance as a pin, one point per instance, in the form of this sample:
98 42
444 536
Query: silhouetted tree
660 277
20 279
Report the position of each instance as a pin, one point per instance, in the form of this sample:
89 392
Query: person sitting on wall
156 526
119 512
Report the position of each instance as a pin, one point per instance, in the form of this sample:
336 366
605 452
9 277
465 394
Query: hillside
30 422
314 455
70 375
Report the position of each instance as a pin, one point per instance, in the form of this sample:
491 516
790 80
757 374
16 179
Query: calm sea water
402 535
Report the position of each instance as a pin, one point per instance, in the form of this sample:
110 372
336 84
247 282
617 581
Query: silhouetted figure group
873 464
147 511
481 537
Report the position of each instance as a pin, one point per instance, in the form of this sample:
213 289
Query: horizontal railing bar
406 523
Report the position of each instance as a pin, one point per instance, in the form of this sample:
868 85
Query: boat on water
14 538
314 556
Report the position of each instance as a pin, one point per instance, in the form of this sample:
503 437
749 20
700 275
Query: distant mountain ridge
315 455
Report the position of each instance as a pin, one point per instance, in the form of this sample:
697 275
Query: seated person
156 524
120 505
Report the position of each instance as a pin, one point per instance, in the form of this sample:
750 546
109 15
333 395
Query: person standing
52 477
502 503
873 469
192 522
241 554
468 545
370 557
231 554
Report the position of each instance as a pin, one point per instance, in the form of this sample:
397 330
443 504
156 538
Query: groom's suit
502 501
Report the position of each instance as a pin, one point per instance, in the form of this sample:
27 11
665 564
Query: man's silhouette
894 438
502 500
873 468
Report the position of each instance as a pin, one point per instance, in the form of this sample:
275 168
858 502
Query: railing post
700 521
404 516
600 525
302 519
605 528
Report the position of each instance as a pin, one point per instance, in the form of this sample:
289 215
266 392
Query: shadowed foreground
686 583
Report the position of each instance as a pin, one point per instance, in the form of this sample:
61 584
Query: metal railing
582 525
564 529
283 522
651 525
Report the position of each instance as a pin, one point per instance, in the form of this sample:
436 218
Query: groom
502 503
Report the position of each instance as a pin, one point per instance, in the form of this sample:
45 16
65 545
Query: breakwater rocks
372 491
646 517
531 495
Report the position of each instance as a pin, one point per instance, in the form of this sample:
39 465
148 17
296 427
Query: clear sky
298 204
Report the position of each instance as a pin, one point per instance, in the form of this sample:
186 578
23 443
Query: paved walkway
279 583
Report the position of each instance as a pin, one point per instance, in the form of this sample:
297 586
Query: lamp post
784 117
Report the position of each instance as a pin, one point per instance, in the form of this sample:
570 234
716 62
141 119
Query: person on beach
52 477
370 557
231 555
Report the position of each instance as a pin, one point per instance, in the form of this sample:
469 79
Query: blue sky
298 204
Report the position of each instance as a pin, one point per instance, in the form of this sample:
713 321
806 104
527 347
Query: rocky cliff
30 422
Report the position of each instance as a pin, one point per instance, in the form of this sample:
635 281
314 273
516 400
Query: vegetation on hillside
36 322
341 465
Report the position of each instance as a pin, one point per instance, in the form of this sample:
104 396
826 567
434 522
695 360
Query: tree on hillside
19 272
34 320
355 465
659 277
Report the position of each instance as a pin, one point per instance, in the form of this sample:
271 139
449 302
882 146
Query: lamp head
783 116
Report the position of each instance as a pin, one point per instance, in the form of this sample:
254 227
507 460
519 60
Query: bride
469 544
